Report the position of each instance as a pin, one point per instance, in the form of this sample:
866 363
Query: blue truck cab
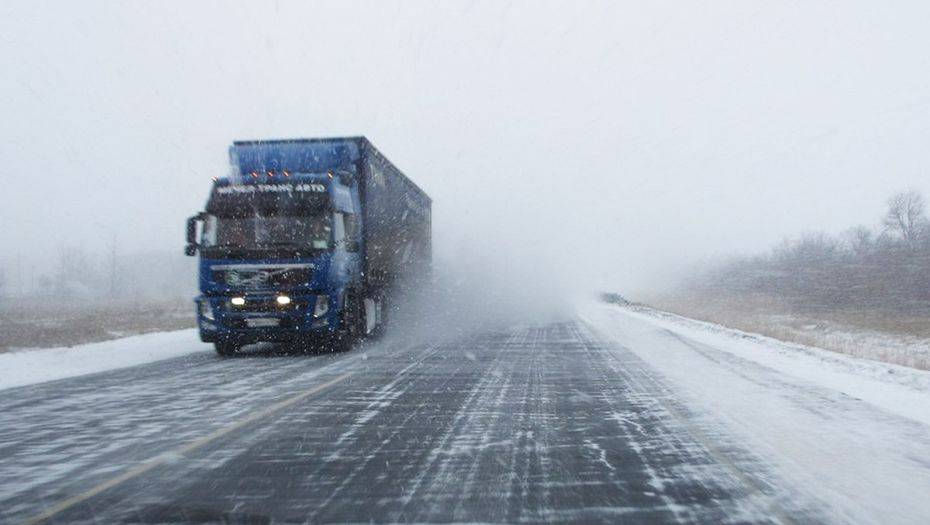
306 240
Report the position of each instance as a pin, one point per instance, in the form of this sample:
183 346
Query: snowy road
585 421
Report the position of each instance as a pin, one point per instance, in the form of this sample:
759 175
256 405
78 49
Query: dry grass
890 336
44 324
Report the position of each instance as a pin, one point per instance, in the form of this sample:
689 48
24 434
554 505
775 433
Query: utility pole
113 265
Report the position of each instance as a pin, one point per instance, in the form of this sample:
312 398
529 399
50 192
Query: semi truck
306 240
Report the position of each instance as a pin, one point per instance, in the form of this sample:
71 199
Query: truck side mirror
192 245
346 179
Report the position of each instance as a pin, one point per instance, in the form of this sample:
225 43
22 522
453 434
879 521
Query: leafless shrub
888 268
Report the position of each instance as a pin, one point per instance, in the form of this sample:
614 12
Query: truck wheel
352 325
225 348
381 305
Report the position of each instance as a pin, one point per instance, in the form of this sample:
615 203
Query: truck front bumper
261 319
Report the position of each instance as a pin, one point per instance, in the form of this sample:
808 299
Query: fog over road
528 424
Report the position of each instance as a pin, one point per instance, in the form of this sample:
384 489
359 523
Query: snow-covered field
28 367
897 348
36 323
880 335
853 433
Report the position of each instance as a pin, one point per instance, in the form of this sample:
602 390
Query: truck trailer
306 240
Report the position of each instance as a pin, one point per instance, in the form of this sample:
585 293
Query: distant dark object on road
614 298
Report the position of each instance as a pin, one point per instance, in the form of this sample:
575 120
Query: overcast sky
611 142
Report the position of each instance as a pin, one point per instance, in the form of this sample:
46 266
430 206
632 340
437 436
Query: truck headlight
321 306
283 300
206 311
237 301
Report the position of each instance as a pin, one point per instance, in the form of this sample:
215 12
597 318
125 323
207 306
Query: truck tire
225 348
380 327
352 325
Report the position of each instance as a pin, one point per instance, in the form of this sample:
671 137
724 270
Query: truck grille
255 278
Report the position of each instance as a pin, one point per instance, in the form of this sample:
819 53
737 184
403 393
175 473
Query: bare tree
860 240
887 268
75 276
905 216
113 270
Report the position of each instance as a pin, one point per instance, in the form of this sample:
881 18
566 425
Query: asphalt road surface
531 424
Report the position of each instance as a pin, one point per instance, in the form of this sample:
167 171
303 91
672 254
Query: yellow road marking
180 451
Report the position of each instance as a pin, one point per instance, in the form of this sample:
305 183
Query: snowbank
28 367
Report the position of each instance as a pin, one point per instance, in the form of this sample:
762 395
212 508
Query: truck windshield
312 232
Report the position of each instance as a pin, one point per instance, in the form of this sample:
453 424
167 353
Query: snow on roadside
902 349
850 433
29 367
898 341
883 371
898 389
